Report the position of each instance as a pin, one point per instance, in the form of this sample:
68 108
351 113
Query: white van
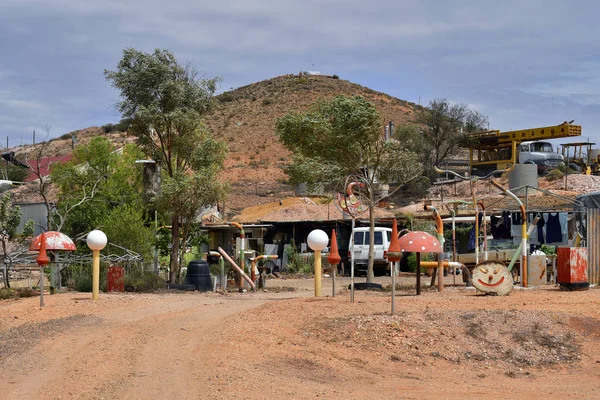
361 239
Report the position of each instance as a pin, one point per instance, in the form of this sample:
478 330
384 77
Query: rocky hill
245 118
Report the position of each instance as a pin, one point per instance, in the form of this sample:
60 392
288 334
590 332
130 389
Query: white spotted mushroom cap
419 242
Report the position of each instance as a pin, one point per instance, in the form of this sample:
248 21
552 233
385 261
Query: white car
361 238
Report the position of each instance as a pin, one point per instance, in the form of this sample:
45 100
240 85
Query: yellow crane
495 150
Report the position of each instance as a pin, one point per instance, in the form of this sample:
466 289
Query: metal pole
96 274
567 169
222 268
41 286
418 273
333 280
453 246
352 263
393 269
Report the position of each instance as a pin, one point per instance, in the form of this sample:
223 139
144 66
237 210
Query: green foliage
143 282
226 97
15 173
555 174
444 127
298 264
6 293
124 225
79 277
550 250
335 77
412 261
267 101
166 101
340 137
121 126
10 218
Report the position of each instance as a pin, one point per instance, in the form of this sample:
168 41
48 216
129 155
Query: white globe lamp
96 241
317 241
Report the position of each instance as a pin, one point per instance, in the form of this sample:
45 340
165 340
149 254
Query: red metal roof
44 166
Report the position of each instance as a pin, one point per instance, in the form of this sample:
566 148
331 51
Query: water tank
594 153
523 174
198 274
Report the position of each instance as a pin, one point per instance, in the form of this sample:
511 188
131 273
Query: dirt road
290 345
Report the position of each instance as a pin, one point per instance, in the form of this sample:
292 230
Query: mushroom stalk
440 237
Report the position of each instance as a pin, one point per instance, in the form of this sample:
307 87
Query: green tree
10 218
79 181
124 225
165 102
444 126
343 136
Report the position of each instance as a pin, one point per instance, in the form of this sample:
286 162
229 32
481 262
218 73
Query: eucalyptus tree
343 136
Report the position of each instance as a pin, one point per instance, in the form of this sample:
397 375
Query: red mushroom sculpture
334 259
55 241
419 242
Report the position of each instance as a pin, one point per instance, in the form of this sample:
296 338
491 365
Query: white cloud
520 62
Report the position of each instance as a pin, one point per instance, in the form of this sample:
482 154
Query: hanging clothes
515 228
506 220
553 229
517 219
540 229
533 237
472 239
499 228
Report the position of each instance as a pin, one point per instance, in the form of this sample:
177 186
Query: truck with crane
495 150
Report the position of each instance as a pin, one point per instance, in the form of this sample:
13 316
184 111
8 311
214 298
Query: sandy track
284 345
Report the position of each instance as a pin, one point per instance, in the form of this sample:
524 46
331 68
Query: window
358 237
389 236
524 147
378 237
542 147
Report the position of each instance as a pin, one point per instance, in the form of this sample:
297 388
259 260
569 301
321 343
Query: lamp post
317 241
96 241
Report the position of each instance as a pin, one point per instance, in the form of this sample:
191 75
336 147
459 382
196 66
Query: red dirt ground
536 344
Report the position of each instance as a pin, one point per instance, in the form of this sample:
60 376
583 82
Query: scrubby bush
555 175
16 173
335 77
146 281
267 101
226 97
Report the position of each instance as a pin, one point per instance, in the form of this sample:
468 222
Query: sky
524 64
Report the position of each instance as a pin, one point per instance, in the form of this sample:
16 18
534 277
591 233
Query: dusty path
290 345
128 346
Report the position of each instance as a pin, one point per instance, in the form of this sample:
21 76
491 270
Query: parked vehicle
361 238
541 154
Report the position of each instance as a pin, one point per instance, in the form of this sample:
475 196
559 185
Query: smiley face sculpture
492 277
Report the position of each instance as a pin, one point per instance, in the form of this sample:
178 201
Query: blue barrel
198 274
